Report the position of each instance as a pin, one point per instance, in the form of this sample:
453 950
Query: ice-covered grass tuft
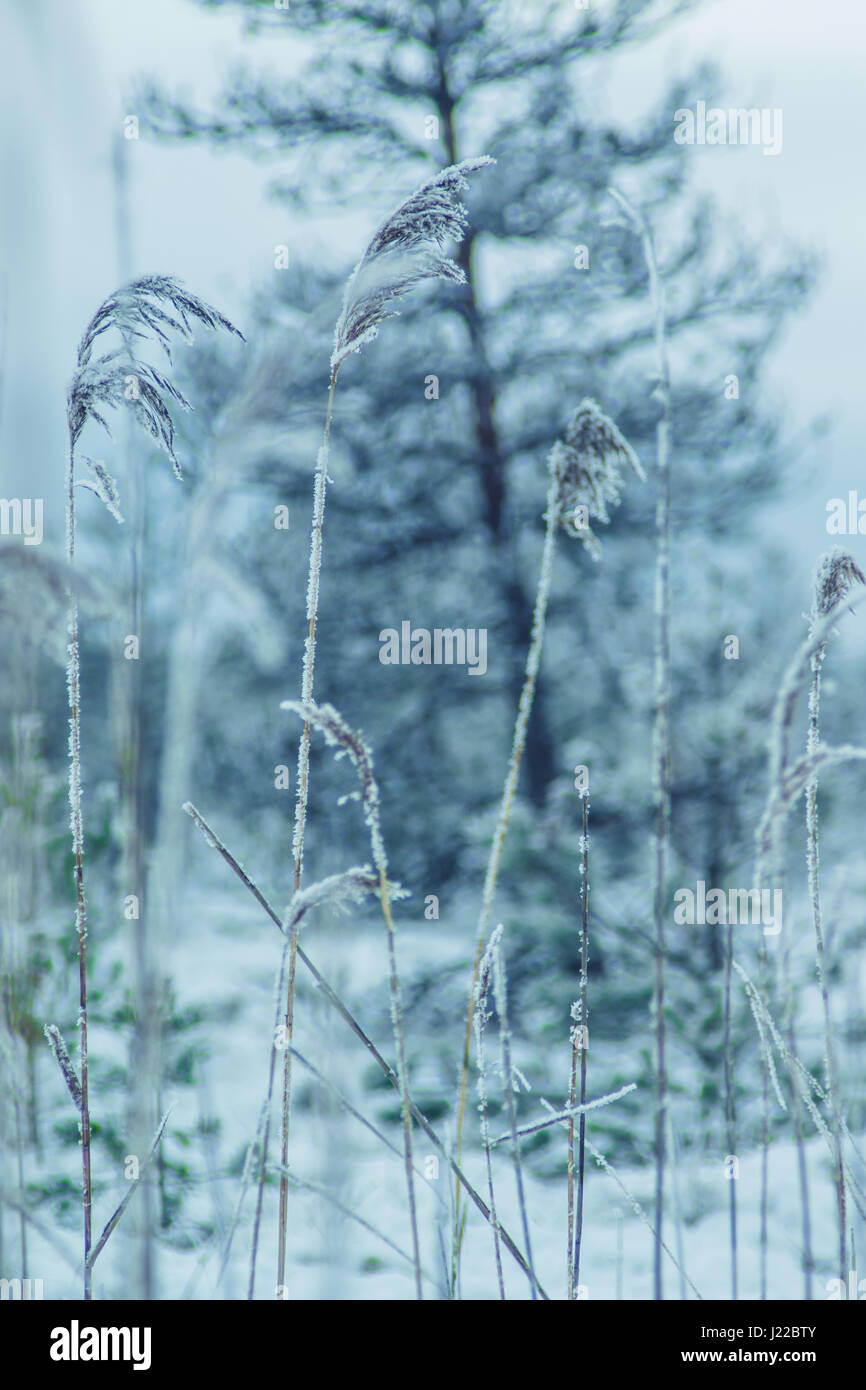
405 250
482 1015
347 742
153 307
587 463
565 476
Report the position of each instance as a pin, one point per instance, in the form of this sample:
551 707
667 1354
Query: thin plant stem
797 1112
387 1071
145 1039
675 1191
64 1061
309 664
730 1107
581 1033
286 1111
784 782
114 1220
403 1072
558 1117
296 913
639 1211
303 782
524 709
304 1186
812 861
662 661
14 1201
765 1176
807 1085
350 1109
481 1017
77 829
337 732
246 1178
19 1159
806 1082
500 995
765 1133
572 1103
149 306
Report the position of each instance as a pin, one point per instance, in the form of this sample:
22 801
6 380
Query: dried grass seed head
587 465
405 250
152 307
834 576
349 743
35 587
351 886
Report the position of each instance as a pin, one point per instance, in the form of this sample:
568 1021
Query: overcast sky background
66 71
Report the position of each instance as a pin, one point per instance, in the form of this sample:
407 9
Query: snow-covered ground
227 956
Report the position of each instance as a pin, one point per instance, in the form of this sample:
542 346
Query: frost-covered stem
638 1211
793 682
333 1201
399 1036
266 1127
19 1162
64 1061
118 1212
808 1087
581 1034
286 1112
481 1016
337 732
145 1042
524 709
348 1018
73 685
765 1174
246 1179
812 862
303 787
500 994
803 1176
661 792
561 1117
797 1110
730 1109
403 1073
675 1190
767 1072
309 665
144 1064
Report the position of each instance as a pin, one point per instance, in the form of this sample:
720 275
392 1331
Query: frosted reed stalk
404 251
662 661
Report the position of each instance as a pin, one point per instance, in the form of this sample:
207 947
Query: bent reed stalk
150 307
404 251
585 481
661 697
835 574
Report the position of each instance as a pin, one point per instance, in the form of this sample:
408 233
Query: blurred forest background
435 516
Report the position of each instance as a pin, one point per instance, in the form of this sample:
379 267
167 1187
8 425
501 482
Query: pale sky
67 68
